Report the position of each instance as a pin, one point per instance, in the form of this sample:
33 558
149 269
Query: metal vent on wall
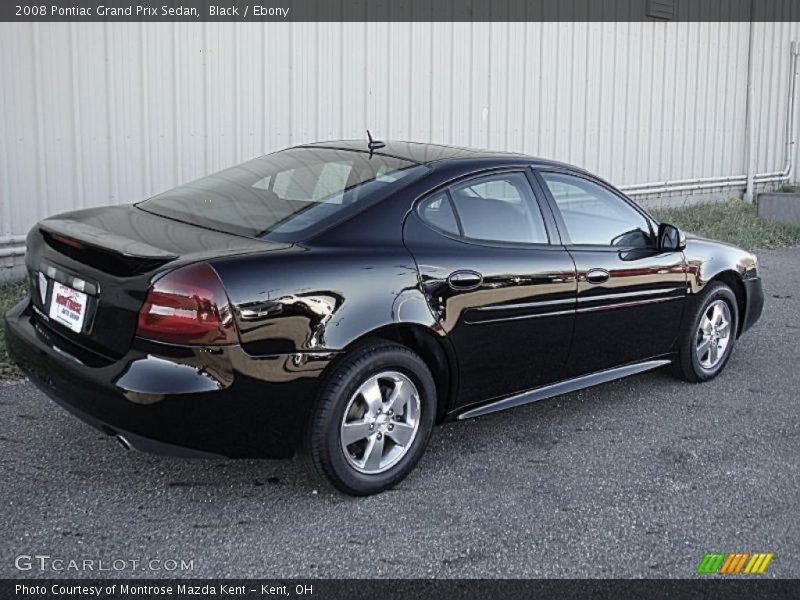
661 9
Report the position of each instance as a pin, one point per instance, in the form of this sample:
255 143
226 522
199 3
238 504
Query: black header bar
396 589
398 10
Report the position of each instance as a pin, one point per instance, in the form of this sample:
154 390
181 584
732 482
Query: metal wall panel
771 78
97 113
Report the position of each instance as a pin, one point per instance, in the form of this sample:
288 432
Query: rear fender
321 299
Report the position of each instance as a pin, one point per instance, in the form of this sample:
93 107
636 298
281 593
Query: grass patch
10 293
734 221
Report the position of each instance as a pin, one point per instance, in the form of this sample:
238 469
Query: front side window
595 216
498 208
283 195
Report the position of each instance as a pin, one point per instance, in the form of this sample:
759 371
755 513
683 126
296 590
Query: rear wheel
373 418
710 334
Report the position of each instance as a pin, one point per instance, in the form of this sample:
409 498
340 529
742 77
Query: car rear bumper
174 400
754 293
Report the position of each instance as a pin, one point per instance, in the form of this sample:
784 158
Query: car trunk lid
110 256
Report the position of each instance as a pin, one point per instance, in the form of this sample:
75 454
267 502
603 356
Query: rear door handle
597 275
464 280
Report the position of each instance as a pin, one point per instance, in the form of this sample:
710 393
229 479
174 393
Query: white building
94 113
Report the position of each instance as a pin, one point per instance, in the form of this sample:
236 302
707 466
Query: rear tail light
188 306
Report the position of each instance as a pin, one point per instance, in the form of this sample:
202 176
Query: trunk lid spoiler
103 240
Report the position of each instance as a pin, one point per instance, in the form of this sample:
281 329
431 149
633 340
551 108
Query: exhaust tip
123 442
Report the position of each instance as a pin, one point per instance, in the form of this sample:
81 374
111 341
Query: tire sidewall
337 395
717 292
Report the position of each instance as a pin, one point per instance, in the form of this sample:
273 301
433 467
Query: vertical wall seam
146 146
176 106
41 154
77 127
6 227
206 100
110 137
237 95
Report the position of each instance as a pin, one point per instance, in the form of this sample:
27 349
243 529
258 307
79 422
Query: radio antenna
374 144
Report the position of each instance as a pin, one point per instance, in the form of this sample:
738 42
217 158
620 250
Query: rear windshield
287 195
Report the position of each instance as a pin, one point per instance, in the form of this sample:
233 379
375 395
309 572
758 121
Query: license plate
68 306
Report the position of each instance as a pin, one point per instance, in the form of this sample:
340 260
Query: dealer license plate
68 306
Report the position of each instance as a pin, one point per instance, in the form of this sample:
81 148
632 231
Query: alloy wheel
713 334
380 422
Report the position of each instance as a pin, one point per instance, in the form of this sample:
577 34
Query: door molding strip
563 387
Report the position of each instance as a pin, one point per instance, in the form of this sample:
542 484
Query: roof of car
422 153
426 154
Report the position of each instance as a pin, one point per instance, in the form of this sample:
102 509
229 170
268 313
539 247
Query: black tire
689 365
323 442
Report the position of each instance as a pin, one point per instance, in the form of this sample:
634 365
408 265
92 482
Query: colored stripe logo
734 563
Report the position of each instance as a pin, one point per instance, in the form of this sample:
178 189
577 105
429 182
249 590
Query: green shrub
734 221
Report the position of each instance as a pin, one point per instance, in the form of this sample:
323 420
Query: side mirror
670 238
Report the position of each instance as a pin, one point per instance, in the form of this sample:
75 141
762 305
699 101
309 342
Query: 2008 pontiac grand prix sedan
341 298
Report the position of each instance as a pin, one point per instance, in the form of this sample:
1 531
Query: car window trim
553 237
456 216
562 226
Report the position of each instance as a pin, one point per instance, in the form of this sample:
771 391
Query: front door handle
597 275
464 280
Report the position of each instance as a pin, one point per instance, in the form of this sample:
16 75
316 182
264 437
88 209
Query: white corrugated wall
94 113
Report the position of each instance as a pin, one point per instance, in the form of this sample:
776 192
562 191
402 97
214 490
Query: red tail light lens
188 306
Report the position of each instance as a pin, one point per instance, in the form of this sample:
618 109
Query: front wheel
709 334
373 418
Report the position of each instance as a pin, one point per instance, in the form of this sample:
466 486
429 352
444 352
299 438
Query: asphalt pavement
637 478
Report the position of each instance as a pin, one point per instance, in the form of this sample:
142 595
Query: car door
630 294
499 281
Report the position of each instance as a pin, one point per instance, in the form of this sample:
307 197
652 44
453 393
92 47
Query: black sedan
341 298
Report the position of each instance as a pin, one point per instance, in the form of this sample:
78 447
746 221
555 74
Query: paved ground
637 478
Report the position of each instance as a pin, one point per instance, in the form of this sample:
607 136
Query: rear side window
438 211
496 208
